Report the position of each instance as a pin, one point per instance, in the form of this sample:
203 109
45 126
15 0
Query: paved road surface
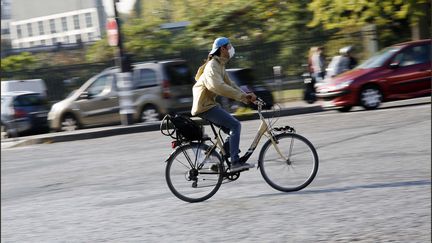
373 185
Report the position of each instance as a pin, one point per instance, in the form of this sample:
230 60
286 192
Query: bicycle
195 170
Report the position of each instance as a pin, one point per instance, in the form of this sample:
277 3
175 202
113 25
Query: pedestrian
341 63
211 81
348 51
317 63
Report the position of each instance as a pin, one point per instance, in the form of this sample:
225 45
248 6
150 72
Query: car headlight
343 84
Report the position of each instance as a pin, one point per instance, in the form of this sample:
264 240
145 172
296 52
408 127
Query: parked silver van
158 88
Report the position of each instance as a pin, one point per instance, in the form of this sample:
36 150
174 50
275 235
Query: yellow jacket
214 81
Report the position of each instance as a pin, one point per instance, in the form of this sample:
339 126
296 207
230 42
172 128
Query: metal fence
262 57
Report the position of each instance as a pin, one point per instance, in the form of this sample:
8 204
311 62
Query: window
88 19
29 29
31 43
101 85
78 39
76 22
19 31
379 59
29 100
43 42
66 39
413 55
64 24
52 26
90 36
41 28
54 41
144 78
179 74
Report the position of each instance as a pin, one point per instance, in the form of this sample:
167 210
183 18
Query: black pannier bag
187 129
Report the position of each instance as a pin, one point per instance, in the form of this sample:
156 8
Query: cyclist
212 80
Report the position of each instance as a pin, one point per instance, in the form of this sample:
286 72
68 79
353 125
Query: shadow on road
350 188
395 106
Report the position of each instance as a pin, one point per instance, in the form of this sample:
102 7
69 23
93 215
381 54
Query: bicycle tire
192 184
295 173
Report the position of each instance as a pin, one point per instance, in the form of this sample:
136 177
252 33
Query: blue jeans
221 117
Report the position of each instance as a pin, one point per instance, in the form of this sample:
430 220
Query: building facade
5 19
50 22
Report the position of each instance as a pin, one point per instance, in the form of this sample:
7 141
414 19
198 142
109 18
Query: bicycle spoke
294 173
189 183
183 163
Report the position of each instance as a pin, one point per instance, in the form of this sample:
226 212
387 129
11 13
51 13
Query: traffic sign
112 32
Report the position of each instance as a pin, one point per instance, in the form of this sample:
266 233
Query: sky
124 6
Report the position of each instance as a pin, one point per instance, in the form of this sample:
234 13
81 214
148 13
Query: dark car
23 112
245 79
401 71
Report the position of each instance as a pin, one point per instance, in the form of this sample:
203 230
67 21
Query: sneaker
235 167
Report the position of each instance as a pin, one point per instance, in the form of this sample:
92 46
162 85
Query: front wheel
370 97
69 123
149 114
191 175
289 165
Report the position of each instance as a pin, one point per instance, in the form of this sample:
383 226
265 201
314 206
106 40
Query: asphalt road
373 185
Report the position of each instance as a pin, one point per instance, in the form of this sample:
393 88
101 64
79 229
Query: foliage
100 51
25 60
393 18
341 13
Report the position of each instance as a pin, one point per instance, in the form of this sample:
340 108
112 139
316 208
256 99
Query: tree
14 63
399 15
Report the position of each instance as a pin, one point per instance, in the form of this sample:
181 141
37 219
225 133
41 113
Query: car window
29 100
179 74
101 85
145 78
413 55
379 59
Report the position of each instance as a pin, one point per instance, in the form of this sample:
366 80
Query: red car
401 71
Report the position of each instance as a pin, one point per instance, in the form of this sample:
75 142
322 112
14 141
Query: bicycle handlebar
260 103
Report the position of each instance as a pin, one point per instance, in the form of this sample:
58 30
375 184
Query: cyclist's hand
251 97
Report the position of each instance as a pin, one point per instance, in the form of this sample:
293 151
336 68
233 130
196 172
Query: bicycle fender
172 153
177 148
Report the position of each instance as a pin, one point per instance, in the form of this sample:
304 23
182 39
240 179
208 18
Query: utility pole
124 78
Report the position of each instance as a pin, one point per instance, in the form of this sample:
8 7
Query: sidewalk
287 109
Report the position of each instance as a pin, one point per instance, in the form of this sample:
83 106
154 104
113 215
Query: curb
122 130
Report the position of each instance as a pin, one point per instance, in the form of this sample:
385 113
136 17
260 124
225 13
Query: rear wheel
191 176
294 167
370 97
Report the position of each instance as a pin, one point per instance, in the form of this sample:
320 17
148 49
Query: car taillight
166 93
20 113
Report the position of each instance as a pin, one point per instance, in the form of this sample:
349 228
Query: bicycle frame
263 129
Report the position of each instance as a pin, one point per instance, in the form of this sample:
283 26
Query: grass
287 95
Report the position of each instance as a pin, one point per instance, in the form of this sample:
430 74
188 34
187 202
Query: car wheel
149 114
69 123
4 132
344 108
370 97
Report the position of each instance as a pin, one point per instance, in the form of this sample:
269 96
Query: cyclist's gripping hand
251 97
